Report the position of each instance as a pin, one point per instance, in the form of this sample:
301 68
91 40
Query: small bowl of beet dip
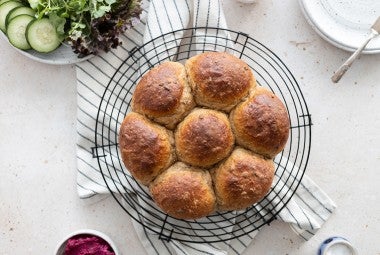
87 241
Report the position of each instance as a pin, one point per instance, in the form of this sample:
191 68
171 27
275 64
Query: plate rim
327 37
46 61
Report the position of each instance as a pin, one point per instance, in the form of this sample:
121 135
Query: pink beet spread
87 245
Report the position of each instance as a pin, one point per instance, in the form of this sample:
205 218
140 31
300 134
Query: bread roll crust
242 180
146 148
261 123
163 94
204 138
180 137
219 80
184 192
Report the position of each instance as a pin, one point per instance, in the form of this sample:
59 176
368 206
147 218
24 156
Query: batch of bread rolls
202 136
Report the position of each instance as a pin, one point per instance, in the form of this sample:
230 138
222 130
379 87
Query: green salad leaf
89 26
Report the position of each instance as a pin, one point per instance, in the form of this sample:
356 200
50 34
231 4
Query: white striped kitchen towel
308 209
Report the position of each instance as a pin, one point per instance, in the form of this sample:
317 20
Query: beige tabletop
38 200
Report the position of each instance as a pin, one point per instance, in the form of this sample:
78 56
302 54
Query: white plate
61 56
345 24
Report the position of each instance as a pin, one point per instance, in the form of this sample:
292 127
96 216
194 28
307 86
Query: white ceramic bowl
63 55
336 245
61 246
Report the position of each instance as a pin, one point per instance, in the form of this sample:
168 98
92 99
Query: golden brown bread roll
146 148
261 123
163 94
171 95
242 180
204 138
184 192
219 80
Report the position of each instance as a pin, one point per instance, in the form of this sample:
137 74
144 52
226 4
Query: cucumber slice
5 8
16 31
42 35
18 11
3 1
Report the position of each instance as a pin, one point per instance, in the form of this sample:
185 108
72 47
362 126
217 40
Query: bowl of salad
66 31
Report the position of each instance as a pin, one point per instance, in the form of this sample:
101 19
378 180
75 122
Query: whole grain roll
204 138
219 80
242 180
261 123
163 94
184 192
146 148
180 141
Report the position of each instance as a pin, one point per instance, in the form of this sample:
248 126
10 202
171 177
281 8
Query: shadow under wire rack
270 72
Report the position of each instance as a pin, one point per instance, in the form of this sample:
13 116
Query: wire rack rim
293 82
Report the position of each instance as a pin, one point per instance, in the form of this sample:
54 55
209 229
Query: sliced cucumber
3 1
18 11
16 31
5 8
42 35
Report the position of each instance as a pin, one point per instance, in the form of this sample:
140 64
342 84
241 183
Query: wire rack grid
270 72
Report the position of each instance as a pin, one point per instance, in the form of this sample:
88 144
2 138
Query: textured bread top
204 138
184 192
180 137
146 148
242 180
261 123
163 94
219 80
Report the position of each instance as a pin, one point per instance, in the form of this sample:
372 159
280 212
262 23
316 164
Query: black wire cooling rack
270 72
